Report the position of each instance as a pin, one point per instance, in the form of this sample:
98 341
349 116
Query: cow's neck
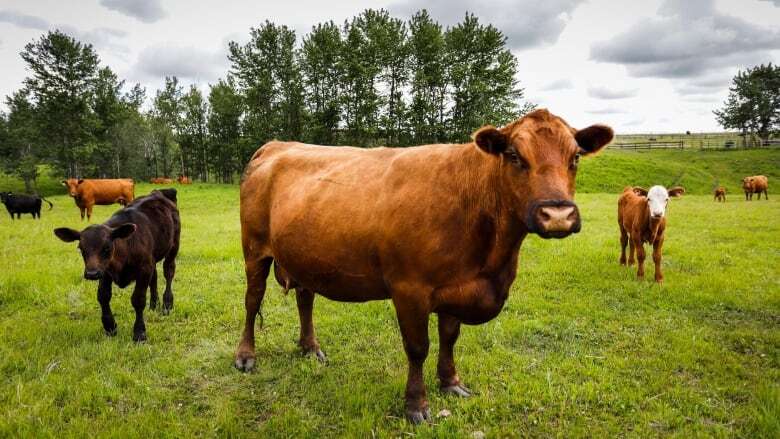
482 188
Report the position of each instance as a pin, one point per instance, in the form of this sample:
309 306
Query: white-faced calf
126 249
642 218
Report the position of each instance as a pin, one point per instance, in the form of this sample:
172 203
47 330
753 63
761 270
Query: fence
693 142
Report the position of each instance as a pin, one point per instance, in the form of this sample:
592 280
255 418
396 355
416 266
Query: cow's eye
575 161
106 250
515 159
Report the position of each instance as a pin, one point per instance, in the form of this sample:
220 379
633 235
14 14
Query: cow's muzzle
93 274
554 218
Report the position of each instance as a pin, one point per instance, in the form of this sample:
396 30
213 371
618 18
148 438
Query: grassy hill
699 171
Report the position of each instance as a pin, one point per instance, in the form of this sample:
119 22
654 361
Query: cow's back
157 219
106 191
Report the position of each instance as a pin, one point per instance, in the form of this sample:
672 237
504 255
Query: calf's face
96 244
658 199
539 158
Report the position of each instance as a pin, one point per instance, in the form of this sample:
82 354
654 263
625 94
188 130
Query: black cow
126 249
19 204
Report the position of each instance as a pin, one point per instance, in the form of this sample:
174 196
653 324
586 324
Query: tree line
373 80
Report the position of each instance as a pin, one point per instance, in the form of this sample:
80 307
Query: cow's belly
473 302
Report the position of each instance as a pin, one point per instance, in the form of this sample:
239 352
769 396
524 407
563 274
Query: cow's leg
257 268
623 243
449 330
104 299
89 212
153 290
413 322
308 341
640 259
82 212
631 250
657 245
139 303
169 270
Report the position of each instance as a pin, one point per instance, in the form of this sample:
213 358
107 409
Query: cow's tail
51 206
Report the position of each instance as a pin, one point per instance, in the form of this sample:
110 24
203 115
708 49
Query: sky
640 66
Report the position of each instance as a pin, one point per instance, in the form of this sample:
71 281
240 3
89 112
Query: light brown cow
161 180
642 218
435 229
720 194
755 184
89 192
183 179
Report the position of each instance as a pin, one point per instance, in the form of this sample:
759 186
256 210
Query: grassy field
581 348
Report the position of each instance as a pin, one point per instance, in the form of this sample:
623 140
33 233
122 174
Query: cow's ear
81 180
64 183
123 231
640 191
594 137
676 191
67 235
491 140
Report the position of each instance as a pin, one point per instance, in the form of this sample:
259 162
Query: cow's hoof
417 417
152 305
166 310
245 362
317 352
457 389
139 337
110 332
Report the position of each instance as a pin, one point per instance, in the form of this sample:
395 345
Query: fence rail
695 144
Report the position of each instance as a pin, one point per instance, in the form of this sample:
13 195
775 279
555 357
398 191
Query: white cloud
559 84
185 62
611 93
147 11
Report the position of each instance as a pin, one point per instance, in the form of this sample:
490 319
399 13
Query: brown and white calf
642 218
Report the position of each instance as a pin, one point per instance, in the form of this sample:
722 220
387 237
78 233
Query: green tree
63 75
20 151
224 126
109 110
320 65
165 125
753 104
192 136
428 83
482 78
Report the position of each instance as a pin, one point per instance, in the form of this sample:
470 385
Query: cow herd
436 229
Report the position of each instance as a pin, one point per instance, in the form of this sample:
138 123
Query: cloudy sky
641 66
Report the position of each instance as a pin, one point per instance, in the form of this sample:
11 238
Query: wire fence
723 141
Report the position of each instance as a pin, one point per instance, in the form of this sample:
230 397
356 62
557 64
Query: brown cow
161 180
642 218
183 179
755 184
435 229
103 192
720 194
126 249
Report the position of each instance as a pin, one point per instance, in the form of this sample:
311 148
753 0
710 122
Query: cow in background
642 218
720 194
183 179
755 184
20 203
89 192
161 180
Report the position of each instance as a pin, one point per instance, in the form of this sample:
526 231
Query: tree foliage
753 104
374 80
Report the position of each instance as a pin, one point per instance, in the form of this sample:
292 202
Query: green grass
581 349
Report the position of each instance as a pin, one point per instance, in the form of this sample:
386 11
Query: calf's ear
67 235
123 231
640 191
594 137
676 191
491 140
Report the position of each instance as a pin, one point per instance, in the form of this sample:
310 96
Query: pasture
581 348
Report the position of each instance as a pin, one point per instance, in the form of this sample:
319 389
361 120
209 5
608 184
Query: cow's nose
92 274
558 221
